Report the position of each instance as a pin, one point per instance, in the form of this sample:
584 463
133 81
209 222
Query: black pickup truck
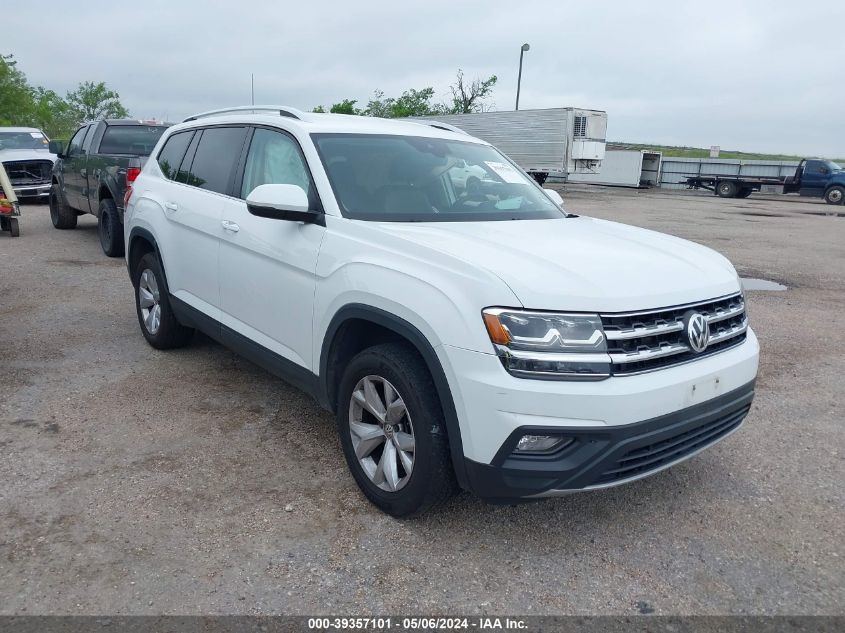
91 173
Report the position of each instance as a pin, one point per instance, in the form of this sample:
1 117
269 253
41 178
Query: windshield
23 140
832 166
131 139
419 179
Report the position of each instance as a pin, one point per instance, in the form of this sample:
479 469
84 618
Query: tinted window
172 153
131 139
215 159
274 158
75 145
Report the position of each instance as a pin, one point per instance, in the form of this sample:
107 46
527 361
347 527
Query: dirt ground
136 481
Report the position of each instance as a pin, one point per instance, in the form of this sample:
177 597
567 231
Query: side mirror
555 196
57 148
282 202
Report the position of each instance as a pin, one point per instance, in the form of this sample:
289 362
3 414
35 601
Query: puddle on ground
832 214
750 283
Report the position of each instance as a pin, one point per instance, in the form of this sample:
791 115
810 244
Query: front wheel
110 228
834 195
393 431
61 215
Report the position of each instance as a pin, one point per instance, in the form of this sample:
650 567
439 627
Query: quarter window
274 158
172 153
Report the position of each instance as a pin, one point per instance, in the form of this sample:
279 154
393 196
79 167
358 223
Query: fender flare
134 234
413 335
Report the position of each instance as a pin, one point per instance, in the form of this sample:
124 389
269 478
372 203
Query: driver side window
274 158
75 146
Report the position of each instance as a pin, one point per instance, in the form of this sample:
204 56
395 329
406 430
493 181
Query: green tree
53 114
92 101
411 103
319 109
16 102
347 106
470 96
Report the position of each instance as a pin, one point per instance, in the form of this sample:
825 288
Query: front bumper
609 456
32 191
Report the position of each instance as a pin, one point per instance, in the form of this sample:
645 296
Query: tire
726 189
835 195
62 216
744 193
152 304
417 435
110 228
14 227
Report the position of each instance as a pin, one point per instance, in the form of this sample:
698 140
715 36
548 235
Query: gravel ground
188 482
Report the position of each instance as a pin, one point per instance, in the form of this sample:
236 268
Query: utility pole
252 81
522 50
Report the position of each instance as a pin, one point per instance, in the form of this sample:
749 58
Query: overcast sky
758 76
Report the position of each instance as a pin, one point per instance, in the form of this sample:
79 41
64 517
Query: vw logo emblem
698 332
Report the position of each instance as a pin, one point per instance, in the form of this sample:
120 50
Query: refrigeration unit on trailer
625 168
550 142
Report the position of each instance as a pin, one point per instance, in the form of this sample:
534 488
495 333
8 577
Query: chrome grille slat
639 332
654 339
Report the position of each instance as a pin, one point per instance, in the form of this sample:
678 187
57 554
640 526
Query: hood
580 263
8 155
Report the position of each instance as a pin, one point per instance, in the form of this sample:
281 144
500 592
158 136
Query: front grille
645 459
23 173
645 341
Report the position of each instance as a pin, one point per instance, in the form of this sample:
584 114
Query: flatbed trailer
814 177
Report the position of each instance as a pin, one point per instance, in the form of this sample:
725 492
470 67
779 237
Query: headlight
548 345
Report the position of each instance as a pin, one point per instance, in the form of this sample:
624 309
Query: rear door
267 267
193 196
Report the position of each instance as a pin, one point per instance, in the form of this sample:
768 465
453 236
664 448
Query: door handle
171 206
230 226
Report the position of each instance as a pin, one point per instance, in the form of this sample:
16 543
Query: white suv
474 337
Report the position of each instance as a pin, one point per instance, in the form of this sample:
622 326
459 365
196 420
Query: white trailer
551 142
625 168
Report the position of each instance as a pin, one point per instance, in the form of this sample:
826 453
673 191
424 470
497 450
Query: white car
25 154
490 342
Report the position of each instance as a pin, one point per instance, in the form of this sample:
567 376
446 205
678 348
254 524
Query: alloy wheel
382 433
149 301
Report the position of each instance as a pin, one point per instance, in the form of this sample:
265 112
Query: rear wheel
834 195
727 189
152 303
14 227
61 215
393 431
110 228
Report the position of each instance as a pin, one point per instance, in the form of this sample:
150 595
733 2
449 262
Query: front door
267 267
814 178
73 173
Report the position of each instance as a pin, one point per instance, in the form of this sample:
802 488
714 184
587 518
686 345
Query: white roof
20 129
309 122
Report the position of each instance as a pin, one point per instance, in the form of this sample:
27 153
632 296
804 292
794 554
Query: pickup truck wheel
393 431
152 303
834 195
61 215
110 228
727 189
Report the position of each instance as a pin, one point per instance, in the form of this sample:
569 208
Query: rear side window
131 139
217 153
172 153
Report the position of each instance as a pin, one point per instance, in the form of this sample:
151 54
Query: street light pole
522 50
